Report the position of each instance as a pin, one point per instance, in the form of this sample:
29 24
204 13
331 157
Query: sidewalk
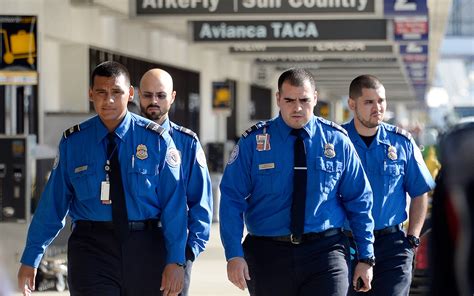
209 276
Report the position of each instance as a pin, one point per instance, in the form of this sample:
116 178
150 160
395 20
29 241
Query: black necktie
119 208
299 185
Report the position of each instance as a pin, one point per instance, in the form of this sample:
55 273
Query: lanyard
107 163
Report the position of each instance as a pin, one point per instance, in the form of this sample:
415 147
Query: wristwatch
183 265
414 241
370 261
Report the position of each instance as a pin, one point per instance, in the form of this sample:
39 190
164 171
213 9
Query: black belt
380 232
304 238
108 225
387 230
348 233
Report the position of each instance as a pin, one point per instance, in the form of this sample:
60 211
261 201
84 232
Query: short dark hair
110 69
363 81
296 77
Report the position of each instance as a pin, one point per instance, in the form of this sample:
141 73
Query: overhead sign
411 28
417 72
405 7
416 63
18 50
321 47
317 59
289 30
217 7
415 58
413 48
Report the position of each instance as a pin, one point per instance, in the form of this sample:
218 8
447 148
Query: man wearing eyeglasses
156 97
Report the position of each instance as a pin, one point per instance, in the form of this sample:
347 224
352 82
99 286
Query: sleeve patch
418 156
56 160
173 158
201 158
234 154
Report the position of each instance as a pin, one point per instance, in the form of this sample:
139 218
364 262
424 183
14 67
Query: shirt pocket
329 173
143 178
84 181
269 178
393 173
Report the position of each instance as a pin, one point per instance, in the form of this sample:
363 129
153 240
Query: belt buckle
295 240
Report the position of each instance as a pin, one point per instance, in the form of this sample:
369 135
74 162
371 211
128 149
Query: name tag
80 169
266 166
105 193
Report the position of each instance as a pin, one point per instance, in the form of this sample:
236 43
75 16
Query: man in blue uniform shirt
258 187
115 158
156 97
395 167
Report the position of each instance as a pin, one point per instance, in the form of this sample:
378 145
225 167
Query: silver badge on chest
329 150
142 152
392 153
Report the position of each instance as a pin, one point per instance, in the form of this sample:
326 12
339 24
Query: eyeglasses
150 95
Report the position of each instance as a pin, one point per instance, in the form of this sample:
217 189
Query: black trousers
99 264
317 267
393 268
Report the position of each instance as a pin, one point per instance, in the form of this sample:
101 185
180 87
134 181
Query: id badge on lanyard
105 186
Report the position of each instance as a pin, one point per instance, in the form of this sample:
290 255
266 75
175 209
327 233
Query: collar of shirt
284 130
120 130
380 136
167 124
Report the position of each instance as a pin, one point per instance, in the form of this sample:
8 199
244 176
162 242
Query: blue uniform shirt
394 165
257 185
197 183
151 180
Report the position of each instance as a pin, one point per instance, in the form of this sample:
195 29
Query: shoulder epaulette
155 127
334 125
71 130
255 127
403 132
186 131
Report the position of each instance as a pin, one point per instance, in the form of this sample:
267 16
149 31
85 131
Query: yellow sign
18 50
222 93
322 110
22 46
